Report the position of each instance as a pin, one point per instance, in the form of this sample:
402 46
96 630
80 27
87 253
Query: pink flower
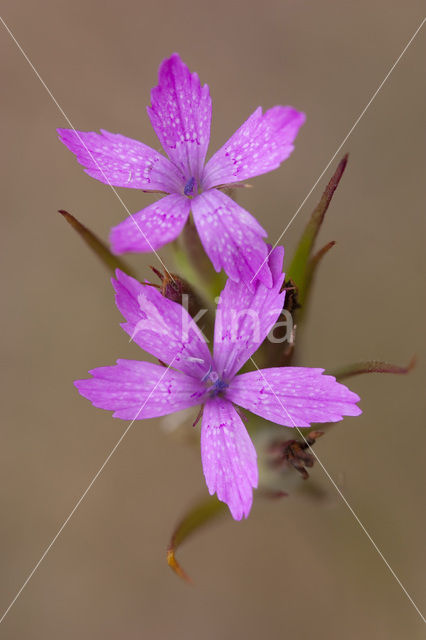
290 396
181 115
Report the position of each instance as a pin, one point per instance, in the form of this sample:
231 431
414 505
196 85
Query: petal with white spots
293 396
228 456
151 228
122 162
245 316
161 327
136 390
231 237
258 146
181 114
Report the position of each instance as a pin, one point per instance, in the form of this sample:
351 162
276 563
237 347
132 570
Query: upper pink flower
290 396
181 116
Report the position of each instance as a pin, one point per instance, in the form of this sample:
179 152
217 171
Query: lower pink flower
290 396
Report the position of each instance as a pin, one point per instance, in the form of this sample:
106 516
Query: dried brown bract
294 453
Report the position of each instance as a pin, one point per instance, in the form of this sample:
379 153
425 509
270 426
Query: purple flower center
215 385
189 187
218 387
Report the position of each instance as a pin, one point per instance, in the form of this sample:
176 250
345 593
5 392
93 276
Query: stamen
194 359
206 375
189 186
197 419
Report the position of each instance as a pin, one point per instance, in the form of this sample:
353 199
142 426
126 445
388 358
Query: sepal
371 366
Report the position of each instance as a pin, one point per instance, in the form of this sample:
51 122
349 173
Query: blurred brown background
295 569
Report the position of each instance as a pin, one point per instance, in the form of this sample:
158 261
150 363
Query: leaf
301 267
204 512
100 248
311 271
316 259
371 366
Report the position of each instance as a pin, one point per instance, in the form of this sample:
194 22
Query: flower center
215 385
189 187
218 387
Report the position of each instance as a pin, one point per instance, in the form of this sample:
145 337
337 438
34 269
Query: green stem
194 263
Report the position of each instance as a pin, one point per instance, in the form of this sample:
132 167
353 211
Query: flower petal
153 227
122 162
161 327
275 262
258 146
228 456
136 390
231 237
181 115
293 396
244 318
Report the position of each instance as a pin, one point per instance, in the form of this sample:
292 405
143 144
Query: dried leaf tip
203 513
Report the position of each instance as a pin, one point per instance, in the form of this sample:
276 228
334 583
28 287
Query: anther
189 186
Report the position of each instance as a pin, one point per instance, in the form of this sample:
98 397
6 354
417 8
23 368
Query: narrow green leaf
371 366
311 272
110 261
300 267
204 512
